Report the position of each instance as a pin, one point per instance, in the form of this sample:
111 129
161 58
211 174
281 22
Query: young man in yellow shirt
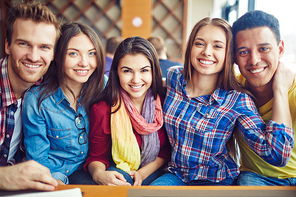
258 49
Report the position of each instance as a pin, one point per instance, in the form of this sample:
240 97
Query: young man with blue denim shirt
258 49
32 31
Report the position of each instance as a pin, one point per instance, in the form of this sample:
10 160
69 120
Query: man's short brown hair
35 11
158 43
112 44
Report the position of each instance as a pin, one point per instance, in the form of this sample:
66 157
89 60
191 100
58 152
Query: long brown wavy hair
55 76
226 79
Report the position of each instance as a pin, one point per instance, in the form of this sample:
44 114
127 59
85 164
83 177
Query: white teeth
136 87
81 71
256 70
206 62
32 66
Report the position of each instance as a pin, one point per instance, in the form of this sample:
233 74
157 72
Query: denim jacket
51 135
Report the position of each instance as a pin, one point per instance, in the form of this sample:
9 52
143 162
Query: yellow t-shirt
250 161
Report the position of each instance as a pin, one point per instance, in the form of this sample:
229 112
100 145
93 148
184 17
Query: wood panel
133 10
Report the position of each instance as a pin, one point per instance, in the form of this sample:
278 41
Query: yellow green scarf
125 149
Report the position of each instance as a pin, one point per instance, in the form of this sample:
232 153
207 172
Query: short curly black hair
257 18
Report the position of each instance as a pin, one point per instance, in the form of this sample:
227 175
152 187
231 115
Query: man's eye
23 44
45 47
263 48
243 52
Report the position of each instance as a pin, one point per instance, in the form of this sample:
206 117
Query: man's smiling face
257 54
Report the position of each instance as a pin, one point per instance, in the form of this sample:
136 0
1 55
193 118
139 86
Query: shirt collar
6 91
182 82
59 96
217 96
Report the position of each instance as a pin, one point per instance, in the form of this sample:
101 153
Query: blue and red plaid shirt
8 106
198 129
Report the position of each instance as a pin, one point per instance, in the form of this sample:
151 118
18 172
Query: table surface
122 191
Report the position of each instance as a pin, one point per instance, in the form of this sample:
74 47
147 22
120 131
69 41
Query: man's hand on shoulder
283 78
27 175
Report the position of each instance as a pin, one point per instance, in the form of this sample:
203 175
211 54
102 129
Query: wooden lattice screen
104 16
169 22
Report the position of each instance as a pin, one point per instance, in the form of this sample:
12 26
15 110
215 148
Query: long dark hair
55 76
133 45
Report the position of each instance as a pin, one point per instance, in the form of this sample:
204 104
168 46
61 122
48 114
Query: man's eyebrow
48 45
21 40
26 41
240 48
263 44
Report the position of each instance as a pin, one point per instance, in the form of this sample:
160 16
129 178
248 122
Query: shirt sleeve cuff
273 126
60 176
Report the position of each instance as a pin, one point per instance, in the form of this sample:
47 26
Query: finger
137 181
132 173
119 176
120 183
40 186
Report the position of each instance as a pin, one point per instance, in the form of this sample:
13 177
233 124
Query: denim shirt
50 133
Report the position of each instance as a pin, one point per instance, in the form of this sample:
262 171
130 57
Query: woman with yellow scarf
128 143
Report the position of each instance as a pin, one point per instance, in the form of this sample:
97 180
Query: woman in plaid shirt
205 102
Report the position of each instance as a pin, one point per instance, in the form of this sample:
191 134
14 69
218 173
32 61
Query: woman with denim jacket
55 114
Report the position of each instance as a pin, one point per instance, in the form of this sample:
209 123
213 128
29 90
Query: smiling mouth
32 65
136 87
256 70
81 71
206 62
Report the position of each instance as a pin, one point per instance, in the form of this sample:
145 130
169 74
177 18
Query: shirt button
7 136
67 171
82 152
5 155
57 136
12 113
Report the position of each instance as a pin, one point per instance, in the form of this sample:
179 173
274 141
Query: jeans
170 179
252 178
130 180
80 177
